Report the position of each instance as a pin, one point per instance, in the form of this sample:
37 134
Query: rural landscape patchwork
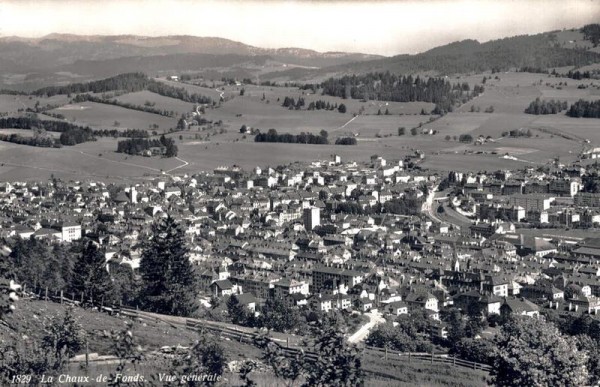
182 210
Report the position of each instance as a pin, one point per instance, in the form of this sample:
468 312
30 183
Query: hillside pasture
572 39
55 100
11 103
591 67
470 162
209 92
503 99
497 123
106 147
207 156
570 92
587 128
537 150
373 125
27 132
22 163
256 114
276 94
456 124
160 102
103 116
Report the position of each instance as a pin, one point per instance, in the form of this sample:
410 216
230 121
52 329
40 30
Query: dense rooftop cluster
340 235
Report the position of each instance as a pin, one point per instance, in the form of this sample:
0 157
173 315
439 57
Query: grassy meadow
103 116
260 107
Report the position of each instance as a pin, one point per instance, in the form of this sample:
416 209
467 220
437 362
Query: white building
70 232
312 218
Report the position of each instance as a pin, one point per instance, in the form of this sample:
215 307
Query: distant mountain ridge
61 49
29 63
545 50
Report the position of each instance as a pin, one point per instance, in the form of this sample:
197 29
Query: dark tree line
168 282
591 32
302 138
132 133
587 109
518 133
70 134
578 75
290 103
406 205
77 269
390 87
546 107
130 82
34 123
76 136
533 69
386 86
45 142
147 109
136 146
322 105
12 92
345 141
177 93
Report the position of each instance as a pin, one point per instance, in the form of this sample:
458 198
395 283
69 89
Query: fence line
241 335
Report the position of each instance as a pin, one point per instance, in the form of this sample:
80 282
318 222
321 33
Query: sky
374 27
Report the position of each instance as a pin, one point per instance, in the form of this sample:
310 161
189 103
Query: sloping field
250 154
540 149
470 162
588 128
212 93
570 92
11 103
21 162
373 125
504 99
160 102
455 124
103 116
353 105
27 132
257 114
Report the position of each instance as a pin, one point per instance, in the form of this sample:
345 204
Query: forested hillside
129 82
390 87
536 51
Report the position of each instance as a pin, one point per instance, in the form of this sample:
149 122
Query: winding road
427 206
185 164
343 126
375 318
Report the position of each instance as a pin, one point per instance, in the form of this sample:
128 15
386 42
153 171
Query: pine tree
169 284
90 277
8 288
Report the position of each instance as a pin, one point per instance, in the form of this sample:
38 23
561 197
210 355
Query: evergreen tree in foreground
91 277
169 284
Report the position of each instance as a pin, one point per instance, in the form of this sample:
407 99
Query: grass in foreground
30 316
